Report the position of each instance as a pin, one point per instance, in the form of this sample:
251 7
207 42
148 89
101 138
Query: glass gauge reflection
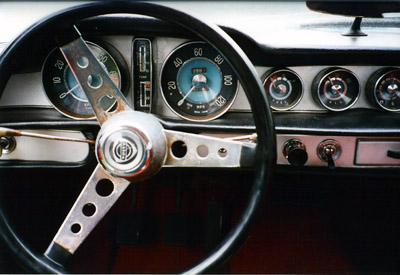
284 89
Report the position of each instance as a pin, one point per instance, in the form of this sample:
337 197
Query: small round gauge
284 89
197 82
63 90
336 89
383 88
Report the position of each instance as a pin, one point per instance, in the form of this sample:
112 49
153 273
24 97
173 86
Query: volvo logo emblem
124 151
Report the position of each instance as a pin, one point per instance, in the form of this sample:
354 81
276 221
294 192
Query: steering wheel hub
131 145
124 150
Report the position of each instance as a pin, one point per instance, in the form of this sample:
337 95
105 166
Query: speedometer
197 82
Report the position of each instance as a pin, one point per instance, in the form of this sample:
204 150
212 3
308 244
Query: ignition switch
329 150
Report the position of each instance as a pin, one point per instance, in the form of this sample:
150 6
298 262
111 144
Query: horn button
131 145
124 150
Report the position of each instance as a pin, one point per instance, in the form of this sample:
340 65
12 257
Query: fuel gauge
284 89
383 88
336 89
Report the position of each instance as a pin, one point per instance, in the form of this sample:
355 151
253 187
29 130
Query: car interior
232 137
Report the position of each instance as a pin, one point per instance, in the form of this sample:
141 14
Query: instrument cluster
334 89
197 83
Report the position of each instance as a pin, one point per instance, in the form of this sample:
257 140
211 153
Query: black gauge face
284 89
387 90
197 83
336 89
63 90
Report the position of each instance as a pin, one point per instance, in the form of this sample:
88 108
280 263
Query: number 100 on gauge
197 82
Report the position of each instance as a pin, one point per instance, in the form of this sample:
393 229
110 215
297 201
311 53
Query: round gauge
336 89
284 89
197 83
383 88
63 90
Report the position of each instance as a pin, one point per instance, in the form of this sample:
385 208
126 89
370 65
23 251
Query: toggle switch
329 150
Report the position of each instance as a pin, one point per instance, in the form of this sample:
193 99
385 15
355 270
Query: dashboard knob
295 152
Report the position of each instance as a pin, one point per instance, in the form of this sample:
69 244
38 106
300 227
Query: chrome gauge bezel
379 75
56 104
299 96
187 116
317 85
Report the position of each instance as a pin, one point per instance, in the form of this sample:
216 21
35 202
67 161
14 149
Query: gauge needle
180 102
69 91
11 132
330 80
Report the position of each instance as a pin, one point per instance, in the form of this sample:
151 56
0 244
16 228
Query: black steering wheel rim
266 151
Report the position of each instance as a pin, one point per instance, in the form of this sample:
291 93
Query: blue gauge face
202 78
197 82
63 90
72 85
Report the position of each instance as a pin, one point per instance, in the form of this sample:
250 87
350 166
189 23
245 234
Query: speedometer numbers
336 89
284 89
383 89
197 82
63 90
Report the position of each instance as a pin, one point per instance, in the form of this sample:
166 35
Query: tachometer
63 90
197 83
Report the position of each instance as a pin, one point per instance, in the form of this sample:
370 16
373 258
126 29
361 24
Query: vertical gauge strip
197 83
336 89
62 88
383 88
142 74
284 89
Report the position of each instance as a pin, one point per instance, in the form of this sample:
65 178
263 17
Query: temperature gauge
142 75
336 89
384 89
284 89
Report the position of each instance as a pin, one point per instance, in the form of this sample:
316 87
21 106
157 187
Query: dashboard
335 98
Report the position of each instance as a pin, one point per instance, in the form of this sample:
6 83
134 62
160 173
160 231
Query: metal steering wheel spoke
93 78
192 150
97 197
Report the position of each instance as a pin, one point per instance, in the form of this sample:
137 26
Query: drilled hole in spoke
83 62
179 149
76 228
202 151
89 209
222 152
104 187
106 102
95 81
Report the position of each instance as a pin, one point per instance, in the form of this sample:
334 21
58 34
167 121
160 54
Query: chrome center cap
124 150
131 145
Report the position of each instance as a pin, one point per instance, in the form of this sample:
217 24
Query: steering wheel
143 134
